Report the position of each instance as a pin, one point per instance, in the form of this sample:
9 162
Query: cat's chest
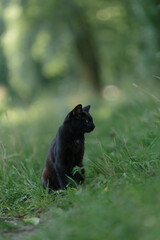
76 145
72 153
78 142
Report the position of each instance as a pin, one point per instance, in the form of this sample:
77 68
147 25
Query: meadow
121 194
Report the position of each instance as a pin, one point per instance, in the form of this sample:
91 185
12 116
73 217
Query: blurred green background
55 54
58 46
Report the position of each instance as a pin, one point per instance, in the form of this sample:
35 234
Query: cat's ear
86 109
77 111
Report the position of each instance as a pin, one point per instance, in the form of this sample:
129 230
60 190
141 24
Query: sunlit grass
121 161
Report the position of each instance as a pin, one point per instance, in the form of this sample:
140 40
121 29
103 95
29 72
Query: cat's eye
87 121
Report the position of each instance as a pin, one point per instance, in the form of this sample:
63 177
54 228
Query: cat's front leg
61 176
78 176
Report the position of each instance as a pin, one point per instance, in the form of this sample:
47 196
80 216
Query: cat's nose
93 126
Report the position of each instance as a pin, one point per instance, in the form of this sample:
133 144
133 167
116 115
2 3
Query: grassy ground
120 198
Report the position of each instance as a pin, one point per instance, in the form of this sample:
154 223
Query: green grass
120 197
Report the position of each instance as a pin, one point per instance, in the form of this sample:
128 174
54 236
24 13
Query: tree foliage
44 42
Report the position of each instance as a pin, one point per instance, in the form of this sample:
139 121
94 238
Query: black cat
67 149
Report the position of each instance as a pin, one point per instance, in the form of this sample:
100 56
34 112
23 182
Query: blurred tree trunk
3 68
88 54
84 43
3 60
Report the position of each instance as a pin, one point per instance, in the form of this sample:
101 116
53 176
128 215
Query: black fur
67 150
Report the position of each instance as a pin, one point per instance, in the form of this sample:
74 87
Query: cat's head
80 119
